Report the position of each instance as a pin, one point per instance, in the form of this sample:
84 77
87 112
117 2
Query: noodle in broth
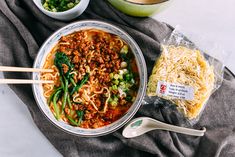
95 78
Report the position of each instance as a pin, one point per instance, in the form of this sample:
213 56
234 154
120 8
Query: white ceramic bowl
65 15
53 40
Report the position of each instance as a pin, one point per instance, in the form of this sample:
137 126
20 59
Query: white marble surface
213 19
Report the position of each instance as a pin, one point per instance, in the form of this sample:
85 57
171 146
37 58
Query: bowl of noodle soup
99 76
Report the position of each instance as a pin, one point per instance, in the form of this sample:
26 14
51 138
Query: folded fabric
23 28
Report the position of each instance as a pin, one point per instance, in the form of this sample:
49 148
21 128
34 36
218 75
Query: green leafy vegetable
56 108
72 121
72 81
124 56
60 59
69 102
52 95
80 115
128 77
129 98
65 94
80 84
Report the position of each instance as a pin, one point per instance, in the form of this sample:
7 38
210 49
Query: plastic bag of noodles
185 75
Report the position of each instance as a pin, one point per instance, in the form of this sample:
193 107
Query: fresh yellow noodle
48 90
106 101
187 67
120 41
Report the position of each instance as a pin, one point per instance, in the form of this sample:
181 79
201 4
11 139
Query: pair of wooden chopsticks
23 81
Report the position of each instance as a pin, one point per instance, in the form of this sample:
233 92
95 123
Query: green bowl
140 10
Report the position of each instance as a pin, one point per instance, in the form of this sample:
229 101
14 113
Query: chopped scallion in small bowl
59 5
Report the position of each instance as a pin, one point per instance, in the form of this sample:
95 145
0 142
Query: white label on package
173 90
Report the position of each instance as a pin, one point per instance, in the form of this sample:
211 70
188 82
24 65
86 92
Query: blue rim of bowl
125 118
136 3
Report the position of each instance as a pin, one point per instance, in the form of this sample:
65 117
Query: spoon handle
178 129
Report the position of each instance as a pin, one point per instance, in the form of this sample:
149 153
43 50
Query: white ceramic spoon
142 125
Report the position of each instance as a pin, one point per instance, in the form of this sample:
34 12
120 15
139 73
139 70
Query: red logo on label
163 89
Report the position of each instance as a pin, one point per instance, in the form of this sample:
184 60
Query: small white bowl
65 15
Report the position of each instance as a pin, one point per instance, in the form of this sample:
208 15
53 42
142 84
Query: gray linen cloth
23 28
